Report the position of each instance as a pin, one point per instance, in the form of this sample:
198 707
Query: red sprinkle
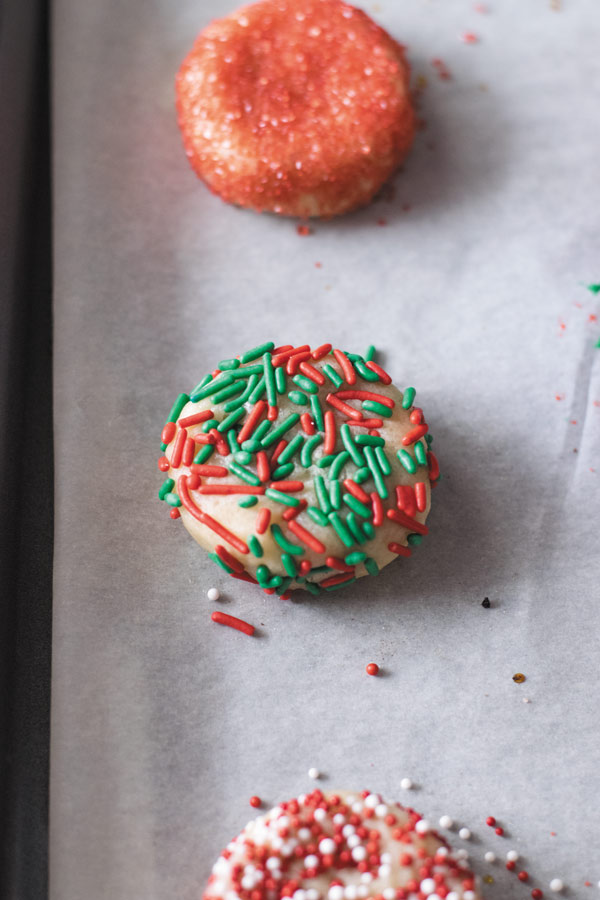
421 496
416 416
222 618
178 448
415 433
288 487
377 509
336 579
366 395
207 520
294 361
308 426
312 373
405 499
366 423
490 821
262 520
372 669
252 421
204 439
334 562
469 38
304 230
174 513
168 433
255 802
228 489
307 538
434 466
383 375
346 366
284 354
345 408
406 521
189 450
355 489
228 559
523 876
278 451
196 419
329 445
537 894
210 471
164 464
321 351
305 567
194 481
263 469
510 865
292 512
399 549
272 413
500 831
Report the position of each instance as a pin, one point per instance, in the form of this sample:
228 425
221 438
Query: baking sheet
164 724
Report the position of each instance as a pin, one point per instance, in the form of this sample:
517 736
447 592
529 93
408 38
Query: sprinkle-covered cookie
299 468
298 107
340 847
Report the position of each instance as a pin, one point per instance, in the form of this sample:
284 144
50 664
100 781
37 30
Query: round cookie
340 847
299 468
297 107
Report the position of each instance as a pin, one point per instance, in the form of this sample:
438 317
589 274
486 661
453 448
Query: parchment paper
163 723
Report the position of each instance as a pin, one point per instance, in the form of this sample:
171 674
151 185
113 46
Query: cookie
297 107
340 847
299 468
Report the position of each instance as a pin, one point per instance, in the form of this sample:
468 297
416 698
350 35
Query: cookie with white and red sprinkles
298 107
340 847
299 468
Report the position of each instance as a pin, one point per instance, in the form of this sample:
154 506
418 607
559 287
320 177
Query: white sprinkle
339 819
462 854
299 895
384 871
353 840
512 856
490 856
272 863
357 807
381 810
336 892
469 895
427 886
363 891
313 773
526 700
351 892
385 858
366 877
359 853
327 846
452 896
406 784
347 830
304 834
371 801
464 834
312 894
389 893
442 851
446 822
311 862
213 594
319 814
557 885
422 826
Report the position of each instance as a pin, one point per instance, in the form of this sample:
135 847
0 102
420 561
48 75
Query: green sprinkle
378 408
230 420
326 461
219 562
341 529
363 474
212 423
332 375
249 355
364 371
201 385
322 495
280 379
239 401
275 582
420 454
298 397
251 445
354 558
212 387
407 461
309 448
182 399
306 384
382 461
368 529
246 502
357 506
258 391
255 545
408 398
415 539
230 391
204 453
242 456
262 575
371 353
244 473
335 493
232 441
353 357
228 364
369 440
165 488
284 586
172 499
376 473
280 430
247 371
280 497
270 380
594 288
312 588
429 439
317 516
371 566
354 526
318 570
292 448
282 471
286 545
259 432
288 564
317 413
342 584
340 461
348 442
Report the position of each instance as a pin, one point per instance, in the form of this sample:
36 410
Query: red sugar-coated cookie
298 107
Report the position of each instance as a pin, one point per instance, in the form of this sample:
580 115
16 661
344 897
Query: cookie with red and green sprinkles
299 468
340 846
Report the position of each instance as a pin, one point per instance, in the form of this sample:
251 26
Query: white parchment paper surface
163 723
